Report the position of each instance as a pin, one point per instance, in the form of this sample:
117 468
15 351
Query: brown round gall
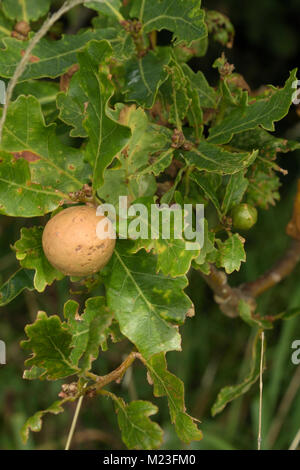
77 242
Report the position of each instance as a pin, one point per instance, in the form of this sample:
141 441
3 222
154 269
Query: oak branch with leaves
139 122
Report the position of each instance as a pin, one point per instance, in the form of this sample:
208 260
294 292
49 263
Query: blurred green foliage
266 42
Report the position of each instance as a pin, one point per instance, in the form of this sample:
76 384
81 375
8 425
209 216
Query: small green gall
244 216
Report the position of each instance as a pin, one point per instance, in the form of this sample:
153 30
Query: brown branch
228 297
277 273
115 375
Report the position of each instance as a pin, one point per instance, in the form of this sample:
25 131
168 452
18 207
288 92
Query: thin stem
102 381
296 441
228 298
260 390
74 423
279 271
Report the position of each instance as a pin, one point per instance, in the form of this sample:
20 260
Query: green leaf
34 373
50 342
168 197
34 423
55 165
6 26
232 253
215 159
45 91
114 333
167 384
173 257
19 281
197 48
117 184
235 190
246 314
206 183
179 99
182 99
29 251
148 145
229 393
184 18
148 151
88 330
264 183
72 107
25 10
160 162
207 95
146 304
19 195
264 112
288 314
231 97
220 27
120 40
106 136
145 75
107 7
267 143
138 431
72 345
195 113
263 189
49 58
207 248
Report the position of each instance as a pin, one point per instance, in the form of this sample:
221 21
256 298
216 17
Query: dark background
215 349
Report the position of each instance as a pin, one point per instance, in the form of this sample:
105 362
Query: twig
115 375
228 298
128 382
279 271
296 441
74 422
260 390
